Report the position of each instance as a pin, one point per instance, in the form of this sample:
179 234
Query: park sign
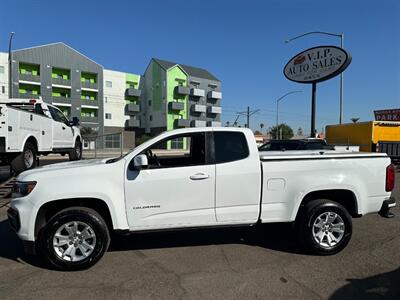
317 64
387 115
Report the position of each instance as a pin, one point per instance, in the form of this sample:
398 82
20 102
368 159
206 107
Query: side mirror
75 121
140 162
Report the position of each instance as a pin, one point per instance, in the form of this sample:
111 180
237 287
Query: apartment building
3 76
177 95
167 96
63 77
121 104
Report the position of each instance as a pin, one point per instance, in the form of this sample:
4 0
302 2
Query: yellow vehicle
371 136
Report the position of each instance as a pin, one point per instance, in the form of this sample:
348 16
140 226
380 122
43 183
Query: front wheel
324 227
76 153
74 239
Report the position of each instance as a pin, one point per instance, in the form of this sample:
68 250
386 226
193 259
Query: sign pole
313 105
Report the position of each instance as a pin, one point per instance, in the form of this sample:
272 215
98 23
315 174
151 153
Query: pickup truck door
238 178
63 134
177 189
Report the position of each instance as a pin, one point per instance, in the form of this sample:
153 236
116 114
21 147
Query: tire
76 153
64 251
317 235
25 160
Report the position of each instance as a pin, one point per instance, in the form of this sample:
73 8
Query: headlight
23 187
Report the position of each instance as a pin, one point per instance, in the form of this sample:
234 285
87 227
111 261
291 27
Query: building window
108 116
149 102
1 70
151 118
108 84
112 141
105 99
3 89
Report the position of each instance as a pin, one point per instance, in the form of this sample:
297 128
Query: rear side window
230 146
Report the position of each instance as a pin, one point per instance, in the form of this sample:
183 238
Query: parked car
29 128
303 144
196 178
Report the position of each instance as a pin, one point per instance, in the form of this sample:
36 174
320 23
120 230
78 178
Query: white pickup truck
32 127
192 178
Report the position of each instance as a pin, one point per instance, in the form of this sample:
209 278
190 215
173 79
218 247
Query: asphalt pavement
216 264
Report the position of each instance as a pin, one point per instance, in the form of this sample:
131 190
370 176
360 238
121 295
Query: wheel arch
49 209
31 139
345 197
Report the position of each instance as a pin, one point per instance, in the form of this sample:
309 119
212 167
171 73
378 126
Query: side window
39 109
177 151
57 115
230 146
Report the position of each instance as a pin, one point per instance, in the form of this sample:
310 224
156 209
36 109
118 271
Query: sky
240 42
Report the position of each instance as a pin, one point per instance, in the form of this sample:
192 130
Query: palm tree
261 126
227 123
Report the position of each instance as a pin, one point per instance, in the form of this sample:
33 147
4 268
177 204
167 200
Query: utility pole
10 85
248 113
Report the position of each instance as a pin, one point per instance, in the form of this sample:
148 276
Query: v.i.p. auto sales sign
317 64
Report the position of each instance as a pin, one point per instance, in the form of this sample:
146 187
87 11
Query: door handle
199 176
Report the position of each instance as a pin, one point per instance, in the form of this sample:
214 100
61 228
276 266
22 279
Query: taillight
389 178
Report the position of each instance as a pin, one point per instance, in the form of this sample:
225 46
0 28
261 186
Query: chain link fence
103 146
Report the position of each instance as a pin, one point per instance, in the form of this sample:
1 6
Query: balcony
133 122
197 92
177 106
131 92
214 95
132 108
61 81
89 85
213 124
60 99
182 90
181 123
198 123
214 110
89 119
89 102
197 108
29 96
29 77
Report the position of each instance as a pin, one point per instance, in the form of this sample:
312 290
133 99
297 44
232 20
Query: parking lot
216 264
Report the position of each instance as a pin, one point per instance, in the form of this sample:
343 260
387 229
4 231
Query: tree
227 123
355 120
287 131
257 132
261 126
87 131
300 131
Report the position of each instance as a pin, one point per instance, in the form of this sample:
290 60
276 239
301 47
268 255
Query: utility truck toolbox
197 178
29 128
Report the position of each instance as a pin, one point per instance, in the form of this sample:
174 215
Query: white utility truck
29 128
196 178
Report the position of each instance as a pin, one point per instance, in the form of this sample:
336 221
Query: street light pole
10 86
341 85
277 110
341 36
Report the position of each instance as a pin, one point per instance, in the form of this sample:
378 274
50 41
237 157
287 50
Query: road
216 264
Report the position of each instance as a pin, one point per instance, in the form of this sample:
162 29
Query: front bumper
386 206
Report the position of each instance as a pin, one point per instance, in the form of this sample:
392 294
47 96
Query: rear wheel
76 153
25 160
324 227
74 239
